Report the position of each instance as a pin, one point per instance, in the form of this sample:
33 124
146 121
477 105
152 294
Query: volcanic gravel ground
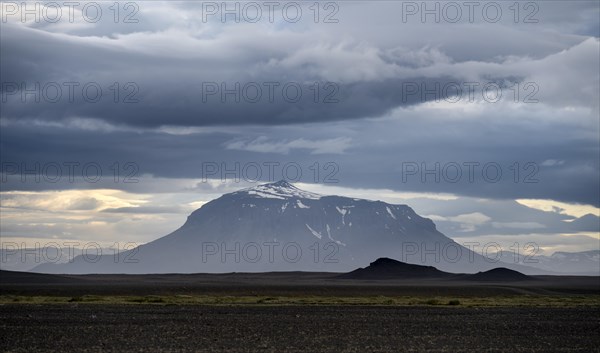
173 328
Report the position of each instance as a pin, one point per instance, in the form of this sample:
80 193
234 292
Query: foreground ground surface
174 328
295 312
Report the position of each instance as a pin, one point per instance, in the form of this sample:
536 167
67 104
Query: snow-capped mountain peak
279 227
282 190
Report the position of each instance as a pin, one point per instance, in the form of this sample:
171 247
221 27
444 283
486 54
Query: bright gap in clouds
575 210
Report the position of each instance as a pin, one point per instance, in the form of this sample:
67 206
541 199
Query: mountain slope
278 227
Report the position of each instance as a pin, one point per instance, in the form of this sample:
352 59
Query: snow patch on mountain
343 212
331 238
265 195
301 205
280 190
314 232
390 212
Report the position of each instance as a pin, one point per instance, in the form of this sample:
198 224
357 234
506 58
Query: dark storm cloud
189 92
162 72
370 56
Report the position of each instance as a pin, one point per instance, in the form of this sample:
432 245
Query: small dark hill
385 268
499 274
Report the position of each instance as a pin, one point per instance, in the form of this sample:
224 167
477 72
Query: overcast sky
485 119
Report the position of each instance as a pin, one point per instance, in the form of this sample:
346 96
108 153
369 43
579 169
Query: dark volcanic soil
281 283
150 328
